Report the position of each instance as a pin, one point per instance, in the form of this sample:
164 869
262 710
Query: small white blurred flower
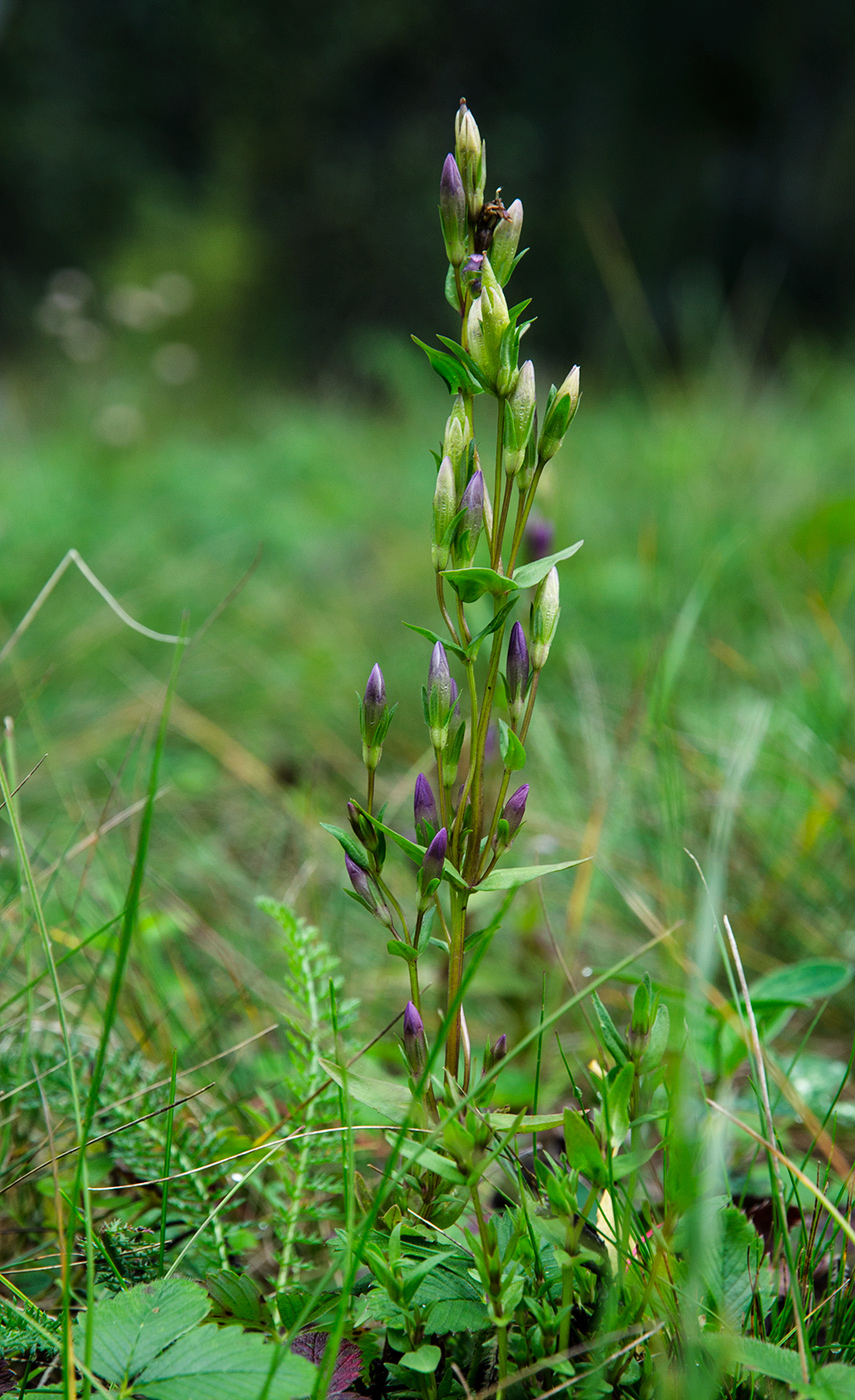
119 425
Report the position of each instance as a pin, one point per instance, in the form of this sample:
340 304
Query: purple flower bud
374 701
514 810
444 511
452 211
539 535
472 502
439 674
414 1039
475 263
424 805
359 880
500 1048
517 672
434 857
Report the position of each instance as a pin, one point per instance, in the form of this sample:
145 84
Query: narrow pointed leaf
524 874
530 574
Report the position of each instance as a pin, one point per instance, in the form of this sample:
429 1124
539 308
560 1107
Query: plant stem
459 901
495 1295
440 598
496 542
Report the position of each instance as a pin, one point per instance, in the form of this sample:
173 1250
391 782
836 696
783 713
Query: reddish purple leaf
348 1363
8 1380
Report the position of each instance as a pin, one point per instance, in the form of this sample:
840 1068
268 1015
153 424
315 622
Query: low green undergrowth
524 1121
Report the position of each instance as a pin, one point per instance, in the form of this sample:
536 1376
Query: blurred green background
219 230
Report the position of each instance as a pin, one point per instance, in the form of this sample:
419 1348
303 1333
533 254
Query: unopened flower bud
452 212
374 718
495 1053
471 158
359 880
432 864
519 418
444 511
439 674
545 612
425 811
517 673
440 696
560 410
415 1047
472 502
514 810
488 319
506 240
374 702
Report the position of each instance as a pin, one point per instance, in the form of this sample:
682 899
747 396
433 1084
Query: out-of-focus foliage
278 155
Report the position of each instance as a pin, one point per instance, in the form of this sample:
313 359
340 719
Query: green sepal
511 748
402 950
451 290
432 637
523 875
471 584
358 899
457 376
349 845
530 574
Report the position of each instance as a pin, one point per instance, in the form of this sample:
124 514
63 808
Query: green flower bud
444 510
519 418
506 240
457 443
560 410
471 158
545 611
488 320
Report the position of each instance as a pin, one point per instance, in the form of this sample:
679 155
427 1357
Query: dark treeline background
673 157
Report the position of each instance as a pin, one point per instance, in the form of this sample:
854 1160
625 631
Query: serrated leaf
348 1362
433 637
393 1099
512 751
763 1357
236 1295
471 584
213 1363
129 1330
457 376
530 574
524 874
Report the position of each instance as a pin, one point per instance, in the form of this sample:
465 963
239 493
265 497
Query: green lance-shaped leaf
531 574
391 1098
471 584
802 983
583 1152
457 376
504 879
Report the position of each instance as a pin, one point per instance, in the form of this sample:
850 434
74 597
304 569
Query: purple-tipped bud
374 701
359 880
545 611
414 1039
471 158
500 1048
519 419
452 212
472 502
424 809
514 810
517 672
506 240
539 534
434 857
439 674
